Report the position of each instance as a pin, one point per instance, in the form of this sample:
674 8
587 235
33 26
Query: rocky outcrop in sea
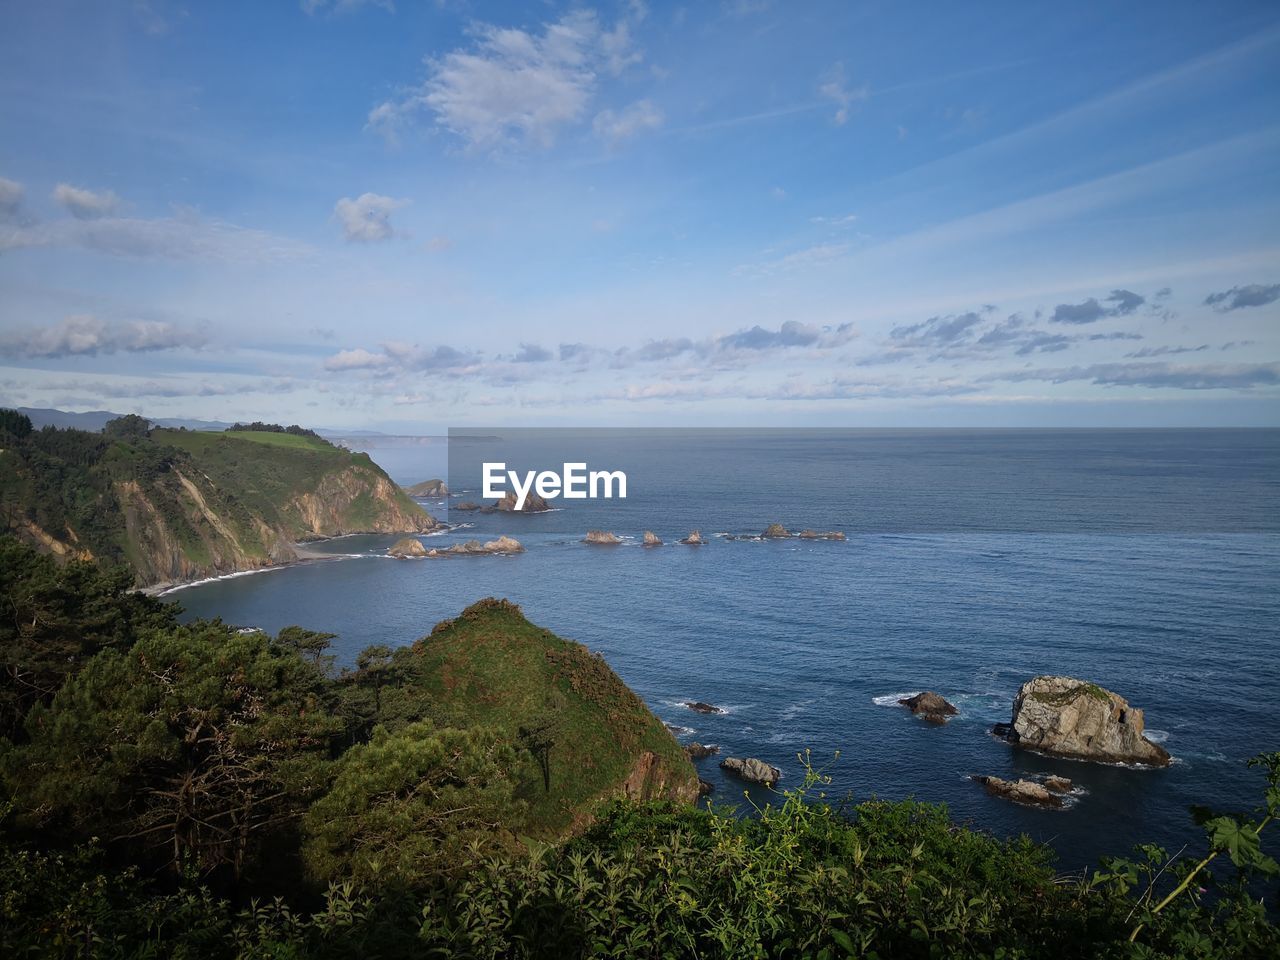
651 539
1075 718
697 706
698 751
406 548
751 770
503 544
601 537
1026 792
930 706
694 539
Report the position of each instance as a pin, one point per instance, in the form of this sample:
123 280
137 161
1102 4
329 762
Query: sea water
1145 561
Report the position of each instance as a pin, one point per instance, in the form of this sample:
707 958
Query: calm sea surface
1147 561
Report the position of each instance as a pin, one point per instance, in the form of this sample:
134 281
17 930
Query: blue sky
405 215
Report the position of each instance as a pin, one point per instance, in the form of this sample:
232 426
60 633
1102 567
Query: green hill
178 505
491 667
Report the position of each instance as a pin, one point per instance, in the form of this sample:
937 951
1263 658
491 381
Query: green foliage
13 423
259 427
129 427
54 618
412 805
190 745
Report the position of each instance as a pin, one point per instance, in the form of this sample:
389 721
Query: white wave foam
891 699
1157 736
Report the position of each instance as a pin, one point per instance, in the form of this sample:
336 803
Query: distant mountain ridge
181 505
95 420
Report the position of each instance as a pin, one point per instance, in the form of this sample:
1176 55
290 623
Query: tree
309 644
406 806
14 423
54 618
193 743
129 427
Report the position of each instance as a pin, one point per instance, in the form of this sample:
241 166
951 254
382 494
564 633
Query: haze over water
1146 561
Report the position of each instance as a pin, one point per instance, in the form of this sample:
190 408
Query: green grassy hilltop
585 732
178 505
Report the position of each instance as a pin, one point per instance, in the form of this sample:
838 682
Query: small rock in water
603 537
694 538
697 706
929 705
705 788
1026 792
698 751
752 770
651 539
820 535
775 531
1058 784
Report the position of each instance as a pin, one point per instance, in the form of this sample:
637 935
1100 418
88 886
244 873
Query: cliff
179 505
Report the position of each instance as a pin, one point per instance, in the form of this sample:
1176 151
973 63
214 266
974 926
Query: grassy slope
492 666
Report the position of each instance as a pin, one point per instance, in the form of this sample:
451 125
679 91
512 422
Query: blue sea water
1146 561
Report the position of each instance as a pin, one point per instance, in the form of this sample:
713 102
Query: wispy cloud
1253 295
616 128
835 88
85 204
513 87
184 236
1209 376
84 335
1120 303
11 194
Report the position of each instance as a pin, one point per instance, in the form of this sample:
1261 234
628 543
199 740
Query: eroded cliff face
651 778
175 536
356 500
181 526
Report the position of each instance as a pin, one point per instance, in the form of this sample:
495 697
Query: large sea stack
1074 718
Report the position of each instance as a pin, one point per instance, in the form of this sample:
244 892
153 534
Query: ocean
1147 561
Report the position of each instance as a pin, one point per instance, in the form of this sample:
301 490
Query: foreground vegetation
192 791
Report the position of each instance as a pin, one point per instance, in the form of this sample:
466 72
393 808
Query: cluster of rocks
1061 717
776 531
532 504
750 769
412 547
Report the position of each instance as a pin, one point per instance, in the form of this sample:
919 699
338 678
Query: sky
403 215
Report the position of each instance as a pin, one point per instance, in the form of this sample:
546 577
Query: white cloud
10 198
184 236
367 218
514 86
638 118
84 335
358 359
313 7
85 204
834 89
